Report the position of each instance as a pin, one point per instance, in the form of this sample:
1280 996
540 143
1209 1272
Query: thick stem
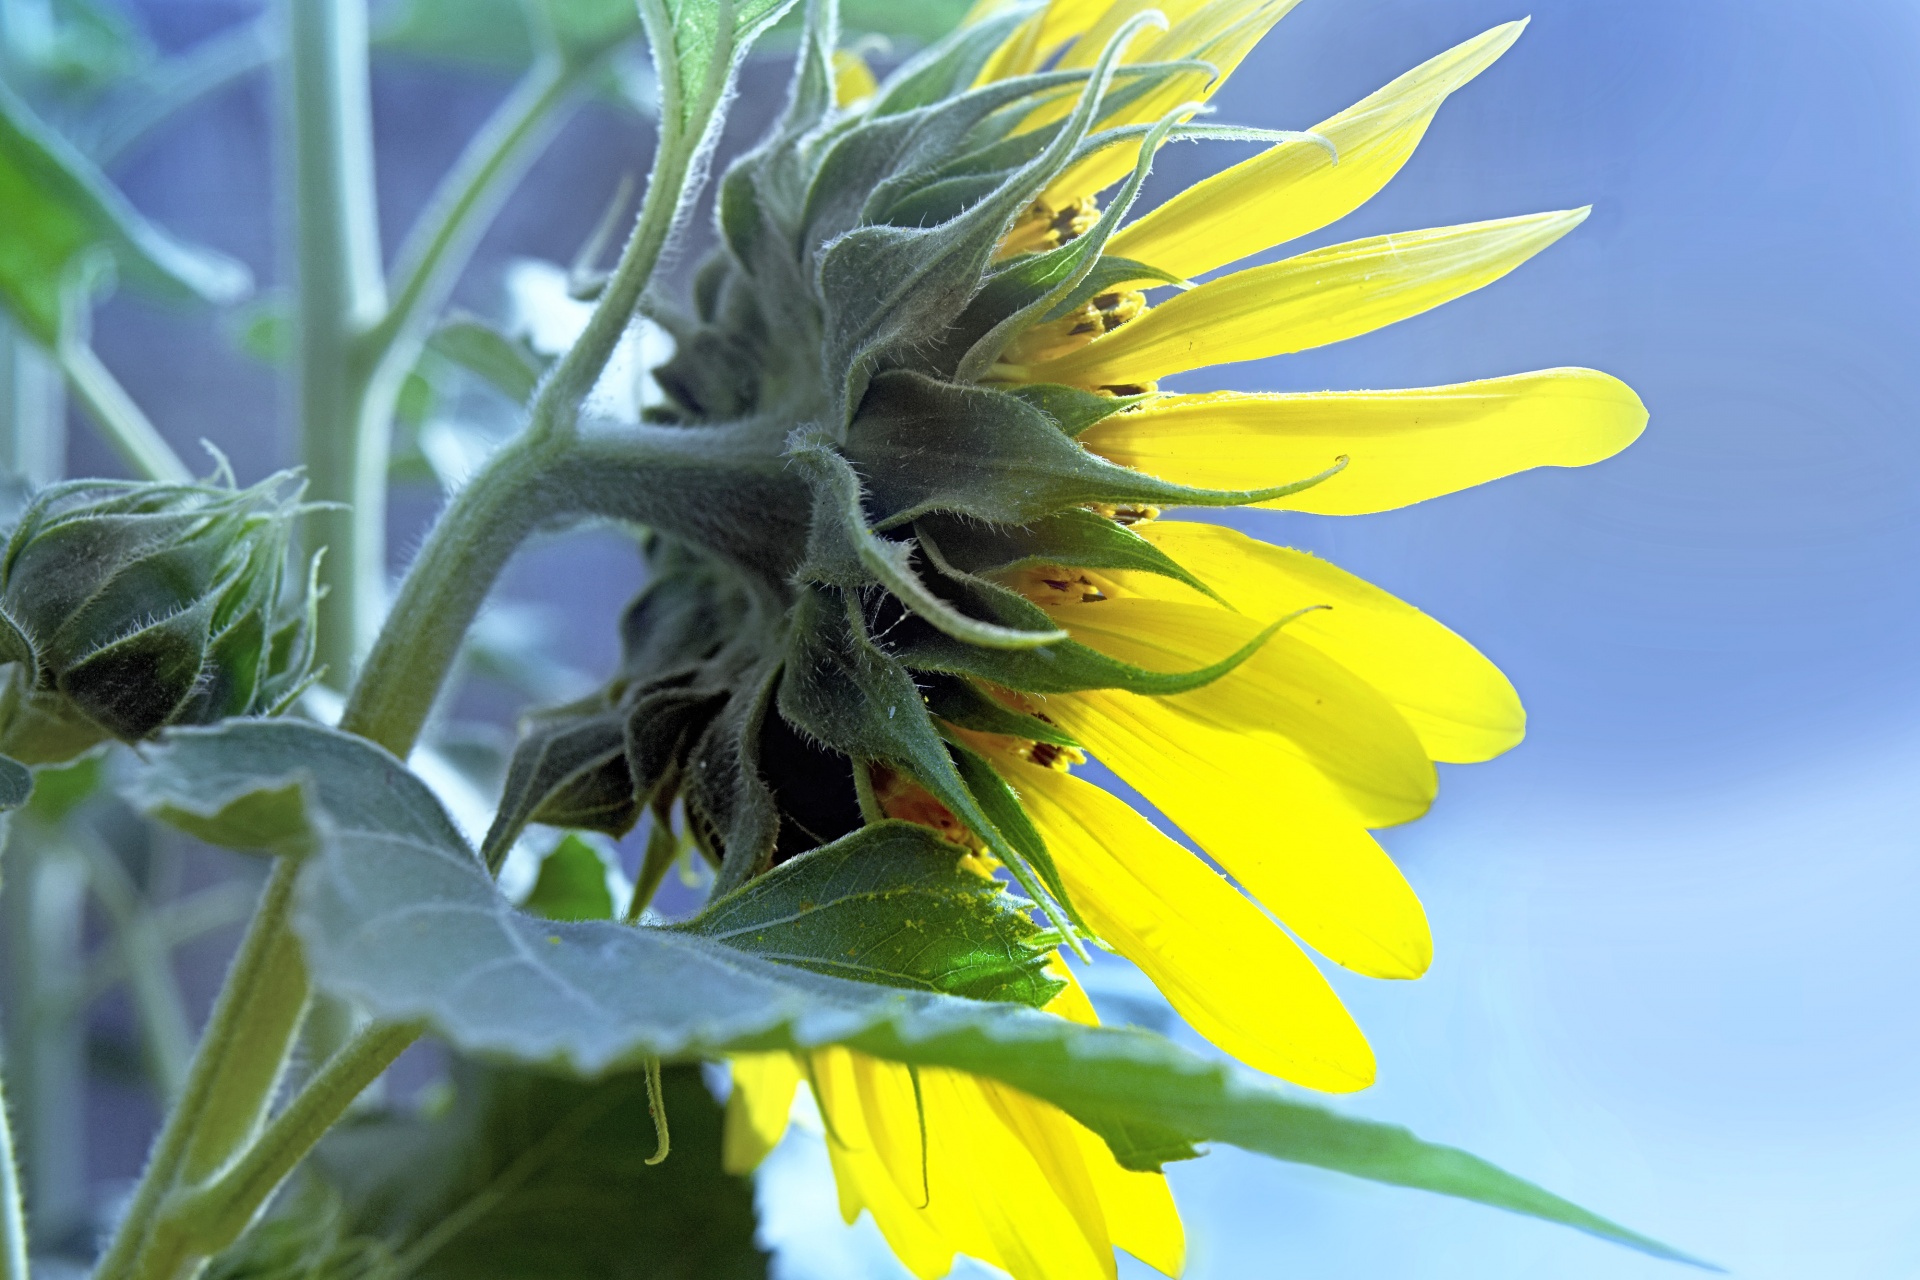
337 265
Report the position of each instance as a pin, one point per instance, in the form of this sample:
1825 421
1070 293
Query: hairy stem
13 1218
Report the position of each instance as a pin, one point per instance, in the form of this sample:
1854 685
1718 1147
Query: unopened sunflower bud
126 607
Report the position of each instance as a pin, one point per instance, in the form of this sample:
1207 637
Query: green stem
33 416
13 1219
210 1217
149 966
337 258
120 420
178 82
228 1088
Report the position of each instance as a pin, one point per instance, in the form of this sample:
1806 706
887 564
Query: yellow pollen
1130 514
1101 315
1049 756
1044 227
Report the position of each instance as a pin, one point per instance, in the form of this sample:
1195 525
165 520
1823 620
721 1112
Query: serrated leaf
59 210
890 904
524 1176
572 884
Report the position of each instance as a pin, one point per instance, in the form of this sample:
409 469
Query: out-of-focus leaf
77 49
263 329
510 366
902 24
890 904
59 790
572 884
495 32
522 1176
57 211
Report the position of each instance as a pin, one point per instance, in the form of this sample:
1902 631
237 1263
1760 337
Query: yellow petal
1460 705
1271 820
863 1182
1221 33
1296 187
1139 1206
1401 447
757 1109
1051 1138
1308 301
1326 715
1232 973
852 78
1034 41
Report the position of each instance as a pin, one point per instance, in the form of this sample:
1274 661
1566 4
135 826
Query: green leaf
572 884
262 786
890 904
569 769
403 919
697 45
60 789
16 784
61 212
508 365
523 1176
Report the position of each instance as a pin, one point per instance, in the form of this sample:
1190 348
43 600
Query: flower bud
126 607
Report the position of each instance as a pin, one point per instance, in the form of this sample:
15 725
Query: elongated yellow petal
1051 1139
1271 820
1461 706
1140 1209
1401 447
1308 301
757 1109
1296 187
1327 716
1036 40
863 1182
1221 33
852 78
1232 973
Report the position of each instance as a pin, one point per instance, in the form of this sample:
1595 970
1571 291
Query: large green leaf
403 919
57 212
889 904
523 1176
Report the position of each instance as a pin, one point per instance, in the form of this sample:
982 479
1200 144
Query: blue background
1674 929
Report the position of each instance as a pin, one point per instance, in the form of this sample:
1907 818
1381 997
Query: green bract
126 607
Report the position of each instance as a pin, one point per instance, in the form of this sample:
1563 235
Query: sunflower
937 278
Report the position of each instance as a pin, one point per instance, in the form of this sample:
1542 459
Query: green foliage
572 884
890 904
16 784
64 222
523 1175
508 365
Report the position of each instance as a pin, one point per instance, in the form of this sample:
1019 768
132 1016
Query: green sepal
1073 409
1108 273
17 646
16 784
844 691
843 552
923 445
572 884
956 700
568 769
937 73
730 808
1003 808
1066 667
1076 536
889 904
137 684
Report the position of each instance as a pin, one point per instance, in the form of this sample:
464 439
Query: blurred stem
33 412
46 1060
149 965
179 82
120 420
341 295
13 1219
